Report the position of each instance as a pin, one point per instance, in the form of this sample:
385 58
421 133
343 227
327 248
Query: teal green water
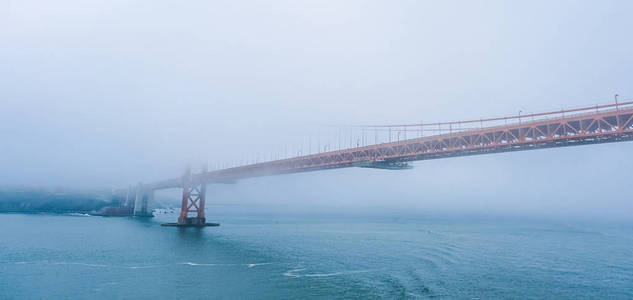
282 257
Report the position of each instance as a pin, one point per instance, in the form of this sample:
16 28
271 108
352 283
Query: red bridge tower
193 199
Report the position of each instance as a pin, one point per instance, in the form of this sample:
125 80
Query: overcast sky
109 93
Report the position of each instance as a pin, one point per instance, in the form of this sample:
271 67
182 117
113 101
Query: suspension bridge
580 126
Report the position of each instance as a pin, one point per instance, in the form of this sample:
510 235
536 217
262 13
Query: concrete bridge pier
142 201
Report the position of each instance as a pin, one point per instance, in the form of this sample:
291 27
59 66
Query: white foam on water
196 264
80 264
141 267
259 264
78 215
335 273
292 273
248 265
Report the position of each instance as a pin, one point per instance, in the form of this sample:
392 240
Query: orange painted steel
193 200
602 124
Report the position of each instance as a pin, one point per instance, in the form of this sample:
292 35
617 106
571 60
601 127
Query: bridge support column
194 190
193 200
142 201
126 203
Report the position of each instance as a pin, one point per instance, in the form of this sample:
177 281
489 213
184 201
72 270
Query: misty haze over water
97 96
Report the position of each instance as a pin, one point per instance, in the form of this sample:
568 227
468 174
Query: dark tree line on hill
53 200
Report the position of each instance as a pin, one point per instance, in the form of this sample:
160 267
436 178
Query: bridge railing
349 156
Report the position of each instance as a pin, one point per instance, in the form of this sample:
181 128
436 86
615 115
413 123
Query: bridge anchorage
194 190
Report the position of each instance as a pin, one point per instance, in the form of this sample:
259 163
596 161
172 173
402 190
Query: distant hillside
52 200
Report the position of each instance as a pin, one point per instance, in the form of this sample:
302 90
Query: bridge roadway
588 125
612 125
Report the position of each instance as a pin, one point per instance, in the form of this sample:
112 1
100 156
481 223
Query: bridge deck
599 124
